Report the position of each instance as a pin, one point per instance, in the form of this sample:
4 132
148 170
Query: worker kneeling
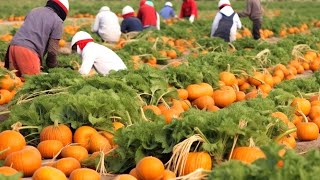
94 55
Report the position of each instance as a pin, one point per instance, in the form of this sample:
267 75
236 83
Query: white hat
104 8
150 3
64 4
127 9
168 4
221 2
81 35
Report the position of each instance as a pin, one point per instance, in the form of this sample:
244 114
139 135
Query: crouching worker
94 55
38 36
226 22
130 23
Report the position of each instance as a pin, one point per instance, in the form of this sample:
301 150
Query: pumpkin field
189 106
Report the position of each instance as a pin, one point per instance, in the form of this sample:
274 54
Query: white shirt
228 11
107 25
101 58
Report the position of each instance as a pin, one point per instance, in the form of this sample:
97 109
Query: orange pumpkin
84 173
203 102
58 132
228 78
10 141
247 154
27 160
49 148
48 173
197 90
257 79
289 140
301 104
78 152
314 112
182 93
212 108
82 136
153 108
240 96
67 165
6 82
169 114
167 174
8 171
117 125
125 177
224 97
307 131
99 143
196 160
133 173
281 116
150 168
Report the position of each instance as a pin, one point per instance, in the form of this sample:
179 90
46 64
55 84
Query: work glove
191 18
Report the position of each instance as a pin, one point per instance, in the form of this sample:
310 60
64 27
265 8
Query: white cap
221 2
81 35
64 4
104 8
127 9
168 4
150 3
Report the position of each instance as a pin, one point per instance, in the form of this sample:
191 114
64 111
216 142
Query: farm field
188 106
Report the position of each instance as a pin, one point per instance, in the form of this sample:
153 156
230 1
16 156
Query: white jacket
107 26
228 11
101 58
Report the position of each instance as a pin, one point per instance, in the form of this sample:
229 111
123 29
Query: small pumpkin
228 78
58 132
281 116
8 171
150 168
182 93
153 108
78 152
133 172
99 143
224 97
84 173
301 104
167 174
196 160
10 141
203 102
82 136
197 90
49 148
125 177
48 173
247 154
67 165
307 131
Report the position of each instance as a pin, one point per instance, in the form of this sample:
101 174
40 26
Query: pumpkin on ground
196 160
7 171
49 148
48 173
247 154
84 173
149 168
125 177
67 165
10 141
78 152
58 132
82 136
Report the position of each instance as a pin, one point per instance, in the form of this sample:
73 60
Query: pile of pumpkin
9 84
83 15
55 142
6 37
15 18
293 30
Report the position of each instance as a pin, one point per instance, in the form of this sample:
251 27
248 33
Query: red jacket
148 15
188 8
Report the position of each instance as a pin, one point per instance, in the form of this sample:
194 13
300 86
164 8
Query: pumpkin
7 83
133 173
228 78
317 121
150 168
212 108
307 131
247 154
8 171
196 160
125 177
265 88
67 165
172 54
268 79
197 90
301 104
27 160
169 114
314 112
257 79
58 132
167 174
288 140
182 93
84 173
48 173
117 125
153 108
281 116
203 102
82 136
78 152
10 141
240 96
244 86
49 148
6 95
99 143
224 97
276 80
185 104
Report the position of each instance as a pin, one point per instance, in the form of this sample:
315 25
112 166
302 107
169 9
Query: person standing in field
148 15
254 12
130 23
167 12
189 10
38 36
94 55
226 22
107 26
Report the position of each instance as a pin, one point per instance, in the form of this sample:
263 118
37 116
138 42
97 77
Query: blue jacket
131 24
167 12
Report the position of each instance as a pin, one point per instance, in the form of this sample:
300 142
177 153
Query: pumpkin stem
165 103
143 115
18 126
300 94
304 116
289 131
5 112
101 168
251 142
228 67
129 118
161 97
242 124
202 135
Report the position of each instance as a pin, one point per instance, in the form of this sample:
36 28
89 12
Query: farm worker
254 11
167 11
149 16
142 2
226 22
130 23
189 10
38 36
107 25
94 55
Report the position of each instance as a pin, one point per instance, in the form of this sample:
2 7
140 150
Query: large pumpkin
58 132
196 160
48 173
224 97
247 154
27 160
10 141
150 168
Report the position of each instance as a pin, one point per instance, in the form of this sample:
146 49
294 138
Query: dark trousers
256 26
